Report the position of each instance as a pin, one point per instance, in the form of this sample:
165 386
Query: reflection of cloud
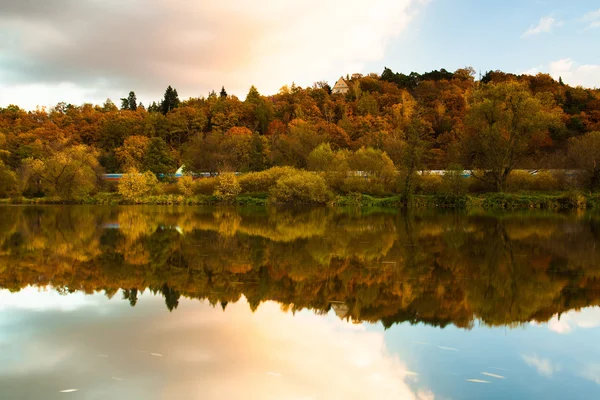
542 365
269 355
592 372
586 318
41 299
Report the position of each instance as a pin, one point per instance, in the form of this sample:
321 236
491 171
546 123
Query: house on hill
340 87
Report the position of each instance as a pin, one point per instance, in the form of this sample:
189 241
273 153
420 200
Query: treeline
436 120
379 267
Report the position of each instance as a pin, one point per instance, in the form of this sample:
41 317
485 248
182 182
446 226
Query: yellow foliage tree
133 186
228 188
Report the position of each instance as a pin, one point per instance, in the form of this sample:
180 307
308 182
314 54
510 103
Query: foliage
133 186
228 188
205 186
584 153
263 181
157 158
70 173
301 187
8 181
185 184
504 121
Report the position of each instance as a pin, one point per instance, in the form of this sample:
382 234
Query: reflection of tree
439 268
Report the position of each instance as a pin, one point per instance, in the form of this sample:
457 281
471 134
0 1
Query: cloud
545 25
572 73
593 18
108 47
542 365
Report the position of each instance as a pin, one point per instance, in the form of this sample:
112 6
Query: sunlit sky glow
88 50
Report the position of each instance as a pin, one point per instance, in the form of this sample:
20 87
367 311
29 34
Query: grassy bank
489 201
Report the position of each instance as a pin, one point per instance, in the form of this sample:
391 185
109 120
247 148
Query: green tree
157 158
170 100
129 102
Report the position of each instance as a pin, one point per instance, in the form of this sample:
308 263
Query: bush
428 184
185 185
454 183
133 186
263 181
301 187
8 182
523 180
362 184
205 186
228 188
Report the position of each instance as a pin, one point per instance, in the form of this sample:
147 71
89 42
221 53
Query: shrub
185 185
206 186
263 181
523 180
8 181
133 186
428 184
301 187
454 183
228 188
362 184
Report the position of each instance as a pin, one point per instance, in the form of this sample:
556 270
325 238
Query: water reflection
195 353
503 270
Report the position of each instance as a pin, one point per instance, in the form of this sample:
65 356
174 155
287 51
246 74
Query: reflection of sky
106 349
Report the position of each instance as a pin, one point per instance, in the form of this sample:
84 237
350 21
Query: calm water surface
216 303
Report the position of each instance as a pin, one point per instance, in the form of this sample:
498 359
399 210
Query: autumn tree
584 153
71 173
131 153
133 186
503 121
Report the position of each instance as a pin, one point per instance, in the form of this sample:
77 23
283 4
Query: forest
382 265
310 145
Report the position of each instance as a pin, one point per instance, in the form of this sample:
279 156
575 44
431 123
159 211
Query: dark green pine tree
157 158
129 102
223 93
171 100
132 101
153 107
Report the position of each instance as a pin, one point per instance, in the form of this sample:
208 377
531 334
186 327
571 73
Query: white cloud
194 46
545 25
572 73
593 17
542 365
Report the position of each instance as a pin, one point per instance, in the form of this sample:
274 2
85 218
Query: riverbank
489 201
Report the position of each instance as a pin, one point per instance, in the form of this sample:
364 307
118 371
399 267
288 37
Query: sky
80 51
